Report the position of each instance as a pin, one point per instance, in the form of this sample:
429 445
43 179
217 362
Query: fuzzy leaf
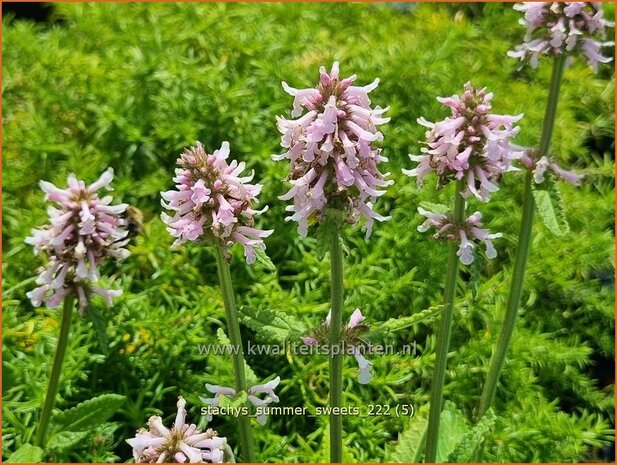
89 414
453 427
99 324
26 454
550 206
435 207
263 259
251 378
65 440
409 447
273 325
236 401
469 445
396 324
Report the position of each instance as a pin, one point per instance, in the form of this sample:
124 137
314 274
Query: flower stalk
336 360
56 370
524 245
237 357
443 337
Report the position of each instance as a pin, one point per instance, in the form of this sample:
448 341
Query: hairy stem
237 356
524 246
56 370
443 337
336 360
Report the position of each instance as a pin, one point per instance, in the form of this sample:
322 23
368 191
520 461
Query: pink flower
333 159
544 164
350 338
182 443
213 202
554 28
82 233
473 144
467 234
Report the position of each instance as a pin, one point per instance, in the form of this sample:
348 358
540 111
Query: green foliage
130 85
26 454
89 414
550 206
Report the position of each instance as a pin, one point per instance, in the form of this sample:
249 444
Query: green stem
336 359
56 370
524 246
237 357
443 338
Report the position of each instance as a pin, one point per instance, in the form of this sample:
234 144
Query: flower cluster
82 233
473 144
544 164
351 337
213 202
182 443
447 230
557 27
334 162
266 388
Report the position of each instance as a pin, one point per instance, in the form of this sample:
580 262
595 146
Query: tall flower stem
524 245
443 337
336 360
237 357
56 370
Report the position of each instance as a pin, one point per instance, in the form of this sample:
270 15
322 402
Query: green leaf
26 454
89 414
452 429
263 258
99 324
550 206
435 207
469 446
236 401
251 378
396 324
272 325
324 234
66 440
409 447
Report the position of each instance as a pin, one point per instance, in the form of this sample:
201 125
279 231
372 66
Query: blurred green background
130 85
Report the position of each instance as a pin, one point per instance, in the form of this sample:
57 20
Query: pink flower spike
554 28
472 144
331 150
213 202
84 232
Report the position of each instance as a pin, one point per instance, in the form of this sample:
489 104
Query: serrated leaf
469 446
66 440
435 207
549 204
324 235
251 378
26 454
396 324
263 258
236 401
99 324
409 447
452 428
89 414
272 325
